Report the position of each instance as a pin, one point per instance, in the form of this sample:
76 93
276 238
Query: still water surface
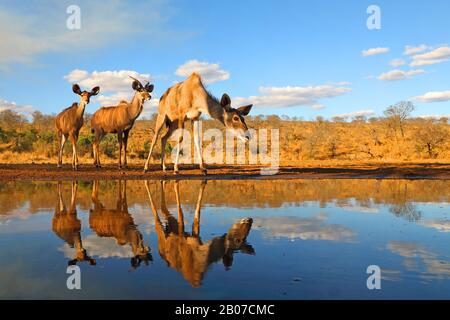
272 239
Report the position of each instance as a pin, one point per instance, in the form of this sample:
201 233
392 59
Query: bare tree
430 137
397 115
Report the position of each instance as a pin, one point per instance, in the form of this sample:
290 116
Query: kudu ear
149 87
95 91
225 102
136 85
76 89
245 110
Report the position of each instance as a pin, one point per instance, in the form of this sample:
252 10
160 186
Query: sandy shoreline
190 172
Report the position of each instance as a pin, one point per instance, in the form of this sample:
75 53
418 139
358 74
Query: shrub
85 144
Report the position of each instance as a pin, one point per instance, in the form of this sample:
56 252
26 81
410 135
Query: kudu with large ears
119 119
67 226
69 122
185 251
188 100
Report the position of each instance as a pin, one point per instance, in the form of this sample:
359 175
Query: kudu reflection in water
67 226
185 252
119 224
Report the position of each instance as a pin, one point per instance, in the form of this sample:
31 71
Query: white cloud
210 72
318 106
42 29
109 81
412 50
434 96
365 112
397 62
310 228
22 109
293 96
394 75
435 56
117 83
434 116
374 51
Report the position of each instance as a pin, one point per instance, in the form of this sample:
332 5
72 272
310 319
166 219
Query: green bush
47 137
24 141
3 136
109 145
85 144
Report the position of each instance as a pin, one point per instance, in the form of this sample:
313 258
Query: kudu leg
178 150
120 139
180 210
197 141
96 148
164 139
74 195
125 146
62 141
196 224
73 140
94 152
159 124
158 224
61 205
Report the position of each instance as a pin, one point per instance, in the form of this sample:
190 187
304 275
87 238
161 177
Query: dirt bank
359 171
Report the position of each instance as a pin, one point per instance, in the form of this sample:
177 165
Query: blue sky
296 58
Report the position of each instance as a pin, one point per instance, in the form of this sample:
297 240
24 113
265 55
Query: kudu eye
235 118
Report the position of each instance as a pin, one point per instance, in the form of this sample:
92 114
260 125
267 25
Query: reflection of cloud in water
100 247
407 249
357 208
440 225
310 228
435 268
390 275
22 213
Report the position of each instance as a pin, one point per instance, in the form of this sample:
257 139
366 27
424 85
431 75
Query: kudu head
144 256
236 240
85 95
234 118
82 256
143 92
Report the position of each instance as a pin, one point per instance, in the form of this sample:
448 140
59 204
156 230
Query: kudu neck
136 106
80 109
215 109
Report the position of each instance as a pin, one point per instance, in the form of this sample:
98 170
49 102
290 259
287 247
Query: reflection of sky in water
302 250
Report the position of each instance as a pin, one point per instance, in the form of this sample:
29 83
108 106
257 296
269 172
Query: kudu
187 100
119 224
119 119
185 252
69 122
67 226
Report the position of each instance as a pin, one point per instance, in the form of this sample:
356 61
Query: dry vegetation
392 138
